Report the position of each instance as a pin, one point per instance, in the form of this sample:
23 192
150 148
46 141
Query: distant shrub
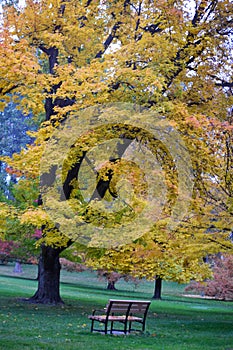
221 285
72 266
113 277
7 251
32 260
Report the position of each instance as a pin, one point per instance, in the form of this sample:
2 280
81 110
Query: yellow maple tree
168 68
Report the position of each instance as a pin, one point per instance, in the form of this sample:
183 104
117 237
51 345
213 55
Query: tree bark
111 285
48 291
158 288
49 267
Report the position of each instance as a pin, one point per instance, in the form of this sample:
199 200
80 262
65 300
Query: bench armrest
101 311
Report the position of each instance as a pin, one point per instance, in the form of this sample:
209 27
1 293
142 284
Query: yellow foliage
37 217
6 212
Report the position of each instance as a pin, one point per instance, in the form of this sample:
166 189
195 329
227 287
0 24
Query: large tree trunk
49 267
158 288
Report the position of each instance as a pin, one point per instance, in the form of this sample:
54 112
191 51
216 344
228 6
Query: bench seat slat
110 318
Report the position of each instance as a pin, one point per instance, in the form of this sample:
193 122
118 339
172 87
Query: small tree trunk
158 288
111 285
49 267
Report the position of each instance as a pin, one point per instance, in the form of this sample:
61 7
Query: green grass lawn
175 323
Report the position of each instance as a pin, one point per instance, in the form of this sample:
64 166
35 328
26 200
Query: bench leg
106 327
142 323
111 328
125 327
92 325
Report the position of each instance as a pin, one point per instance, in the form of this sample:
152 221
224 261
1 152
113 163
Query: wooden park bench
125 312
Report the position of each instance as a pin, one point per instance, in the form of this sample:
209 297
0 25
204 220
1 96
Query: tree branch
222 82
109 39
202 10
225 84
153 28
88 3
9 90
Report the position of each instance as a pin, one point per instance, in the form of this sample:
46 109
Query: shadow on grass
19 277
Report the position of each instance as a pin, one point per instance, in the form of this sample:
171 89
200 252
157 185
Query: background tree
220 286
18 241
14 126
164 255
58 57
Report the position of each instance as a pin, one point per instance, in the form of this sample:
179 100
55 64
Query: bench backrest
127 307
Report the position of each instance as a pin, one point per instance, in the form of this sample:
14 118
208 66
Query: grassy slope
176 323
